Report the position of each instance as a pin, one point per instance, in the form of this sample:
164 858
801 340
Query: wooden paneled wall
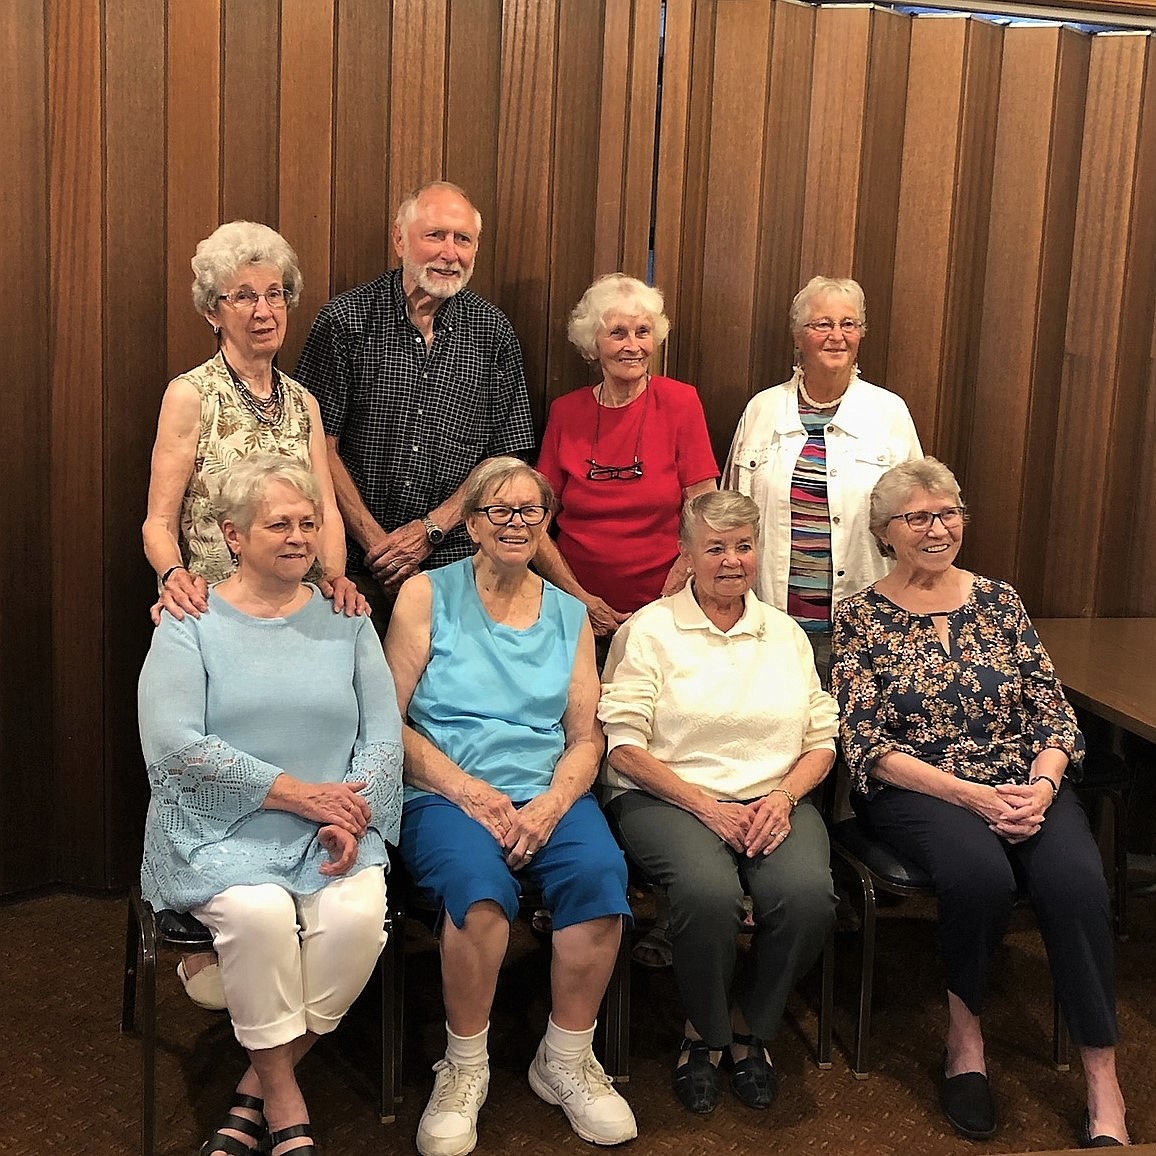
990 187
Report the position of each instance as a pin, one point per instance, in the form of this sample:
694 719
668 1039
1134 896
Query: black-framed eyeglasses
949 516
246 298
504 515
599 473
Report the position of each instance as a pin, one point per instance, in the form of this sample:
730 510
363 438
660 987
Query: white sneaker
205 988
449 1124
595 1110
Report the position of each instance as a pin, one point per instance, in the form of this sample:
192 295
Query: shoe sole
544 1092
471 1145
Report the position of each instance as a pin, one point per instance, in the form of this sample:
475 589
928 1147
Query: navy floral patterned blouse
982 712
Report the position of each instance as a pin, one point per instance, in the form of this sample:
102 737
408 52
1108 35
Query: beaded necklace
267 410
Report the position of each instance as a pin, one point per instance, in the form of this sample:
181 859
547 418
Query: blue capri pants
580 869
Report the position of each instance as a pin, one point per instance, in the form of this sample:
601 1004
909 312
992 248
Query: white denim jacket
870 432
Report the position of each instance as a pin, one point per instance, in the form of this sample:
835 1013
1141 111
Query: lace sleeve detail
380 764
200 791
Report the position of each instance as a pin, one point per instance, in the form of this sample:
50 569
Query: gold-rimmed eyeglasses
246 298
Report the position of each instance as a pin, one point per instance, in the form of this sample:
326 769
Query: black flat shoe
220 1142
968 1104
293 1133
753 1080
1087 1140
696 1083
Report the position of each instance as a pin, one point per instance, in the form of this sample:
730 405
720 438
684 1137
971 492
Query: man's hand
399 555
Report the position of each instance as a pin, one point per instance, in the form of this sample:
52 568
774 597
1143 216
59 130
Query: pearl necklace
832 404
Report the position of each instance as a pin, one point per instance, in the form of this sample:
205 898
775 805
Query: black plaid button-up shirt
412 422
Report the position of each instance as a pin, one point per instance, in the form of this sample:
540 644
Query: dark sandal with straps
753 1079
230 1145
292 1133
696 1083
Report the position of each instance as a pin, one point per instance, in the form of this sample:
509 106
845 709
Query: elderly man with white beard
419 380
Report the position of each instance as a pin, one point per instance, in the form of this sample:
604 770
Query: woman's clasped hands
520 830
1014 811
755 828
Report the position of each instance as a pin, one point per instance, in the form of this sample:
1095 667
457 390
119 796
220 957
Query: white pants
292 964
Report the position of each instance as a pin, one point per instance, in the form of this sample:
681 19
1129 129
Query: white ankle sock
565 1046
468 1051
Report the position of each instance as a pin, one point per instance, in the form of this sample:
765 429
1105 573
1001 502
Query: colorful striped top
809 579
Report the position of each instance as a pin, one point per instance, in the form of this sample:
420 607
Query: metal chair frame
149 931
879 867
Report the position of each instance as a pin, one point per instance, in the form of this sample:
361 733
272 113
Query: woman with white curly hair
245 281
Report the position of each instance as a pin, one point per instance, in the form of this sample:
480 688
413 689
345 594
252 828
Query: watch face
433 532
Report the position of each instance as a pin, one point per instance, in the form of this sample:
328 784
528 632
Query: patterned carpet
69 1080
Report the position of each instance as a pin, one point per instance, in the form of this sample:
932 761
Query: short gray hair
721 510
615 294
899 483
243 486
818 287
407 210
230 248
493 474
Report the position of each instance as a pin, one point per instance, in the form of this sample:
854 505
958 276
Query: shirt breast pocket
749 468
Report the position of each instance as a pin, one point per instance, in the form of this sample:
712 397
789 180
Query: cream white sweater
729 712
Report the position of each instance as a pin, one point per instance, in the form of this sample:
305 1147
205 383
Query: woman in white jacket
809 452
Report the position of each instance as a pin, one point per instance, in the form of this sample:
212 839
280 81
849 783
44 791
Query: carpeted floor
69 1080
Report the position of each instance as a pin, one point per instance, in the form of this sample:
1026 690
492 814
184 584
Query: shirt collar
688 615
446 316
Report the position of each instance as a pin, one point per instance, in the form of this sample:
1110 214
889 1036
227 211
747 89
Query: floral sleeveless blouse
229 431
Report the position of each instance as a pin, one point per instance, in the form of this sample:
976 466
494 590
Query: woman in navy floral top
957 736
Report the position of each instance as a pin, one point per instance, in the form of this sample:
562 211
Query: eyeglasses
504 515
597 473
922 519
825 325
246 298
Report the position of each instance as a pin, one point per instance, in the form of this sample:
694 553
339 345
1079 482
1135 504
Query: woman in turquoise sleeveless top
495 669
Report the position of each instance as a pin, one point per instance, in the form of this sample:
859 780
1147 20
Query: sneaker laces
590 1076
456 1086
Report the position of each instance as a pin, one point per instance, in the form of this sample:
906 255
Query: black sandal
291 1133
753 1079
696 1083
230 1145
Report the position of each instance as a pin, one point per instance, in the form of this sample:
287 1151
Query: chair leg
398 997
866 982
148 1023
826 1001
616 1016
385 972
132 947
1061 1041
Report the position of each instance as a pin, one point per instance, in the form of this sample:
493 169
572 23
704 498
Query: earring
216 331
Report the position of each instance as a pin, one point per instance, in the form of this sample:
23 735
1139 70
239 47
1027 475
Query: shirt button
881 458
835 520
407 483
419 413
838 573
752 463
830 429
415 449
832 473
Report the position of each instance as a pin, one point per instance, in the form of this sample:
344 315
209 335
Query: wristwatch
433 532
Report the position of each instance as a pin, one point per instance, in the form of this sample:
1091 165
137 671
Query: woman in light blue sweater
273 743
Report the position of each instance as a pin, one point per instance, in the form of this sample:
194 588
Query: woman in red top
623 456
